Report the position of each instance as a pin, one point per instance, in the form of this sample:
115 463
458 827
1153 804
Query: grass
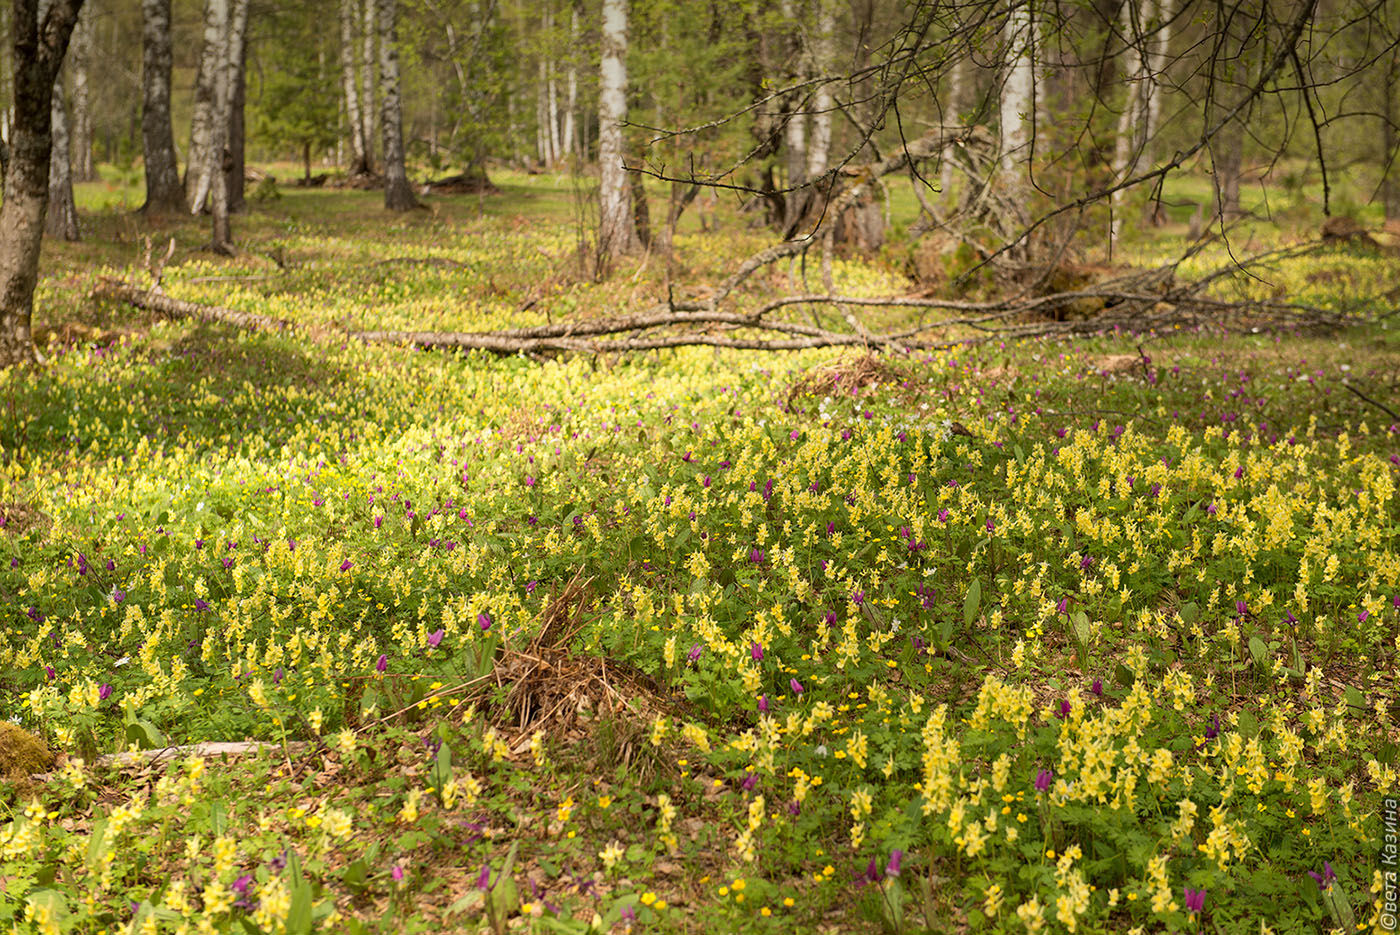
686 641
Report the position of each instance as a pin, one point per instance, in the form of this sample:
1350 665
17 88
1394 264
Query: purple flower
240 886
627 913
756 651
1213 730
756 556
483 880
378 521
382 664
483 620
201 604
1241 608
749 782
529 480
796 686
1097 688
118 595
50 672
1086 561
346 565
1043 779
991 526
896 858
763 704
435 638
1065 709
1326 878
397 873
1195 899
1063 606
871 874
694 653
943 516
278 675
104 692
1361 617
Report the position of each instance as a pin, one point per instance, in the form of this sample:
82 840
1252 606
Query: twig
1381 406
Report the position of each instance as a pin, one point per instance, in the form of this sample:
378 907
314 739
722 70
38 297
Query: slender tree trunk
61 220
959 81
1390 158
367 73
570 140
226 54
237 66
794 122
164 193
1018 92
398 194
81 130
823 59
1132 119
552 85
617 230
542 114
38 45
204 134
1157 62
348 88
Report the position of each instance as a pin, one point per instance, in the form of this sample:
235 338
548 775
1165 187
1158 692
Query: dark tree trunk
1228 155
61 220
398 194
164 193
1390 187
38 49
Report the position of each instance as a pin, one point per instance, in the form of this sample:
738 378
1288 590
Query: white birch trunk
367 64
617 231
958 81
571 88
1018 92
62 218
199 167
81 54
348 87
1157 66
398 194
1127 145
542 114
823 56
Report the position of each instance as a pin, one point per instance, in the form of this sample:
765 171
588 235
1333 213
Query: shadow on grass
207 387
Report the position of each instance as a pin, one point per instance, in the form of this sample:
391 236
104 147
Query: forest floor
1092 635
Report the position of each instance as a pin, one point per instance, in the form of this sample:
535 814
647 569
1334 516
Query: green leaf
971 601
1082 631
1189 613
1354 698
1259 651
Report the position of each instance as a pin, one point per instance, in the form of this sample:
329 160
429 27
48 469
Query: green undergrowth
1049 636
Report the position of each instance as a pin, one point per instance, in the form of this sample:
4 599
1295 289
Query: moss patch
21 753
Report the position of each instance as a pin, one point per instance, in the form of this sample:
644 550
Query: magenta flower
104 692
694 653
1043 778
435 638
346 565
483 620
529 480
1097 688
749 782
378 521
763 704
943 516
483 880
756 651
896 858
796 686
1063 606
382 664
1361 617
1195 899
1326 878
397 873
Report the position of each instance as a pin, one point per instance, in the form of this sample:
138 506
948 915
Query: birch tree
398 194
38 43
368 64
200 158
226 79
617 232
164 193
1018 93
81 130
62 219
823 53
359 162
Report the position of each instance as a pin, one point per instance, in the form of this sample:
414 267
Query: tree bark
81 130
367 72
398 194
237 65
62 216
358 163
570 141
38 45
617 231
823 58
164 193
1390 158
1018 92
1132 120
202 155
